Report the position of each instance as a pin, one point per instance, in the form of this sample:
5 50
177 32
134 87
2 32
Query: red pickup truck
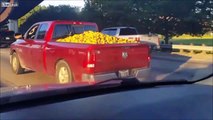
38 50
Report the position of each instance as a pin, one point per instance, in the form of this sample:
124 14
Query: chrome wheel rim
63 75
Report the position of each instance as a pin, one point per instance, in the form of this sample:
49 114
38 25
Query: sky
75 3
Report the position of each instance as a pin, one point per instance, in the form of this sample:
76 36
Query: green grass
208 42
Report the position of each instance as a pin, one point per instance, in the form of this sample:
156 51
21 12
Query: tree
62 12
204 13
91 13
171 17
167 17
107 13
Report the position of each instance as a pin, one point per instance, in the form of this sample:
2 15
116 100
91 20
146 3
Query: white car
131 33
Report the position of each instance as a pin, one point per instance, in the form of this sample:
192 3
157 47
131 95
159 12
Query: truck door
38 48
25 47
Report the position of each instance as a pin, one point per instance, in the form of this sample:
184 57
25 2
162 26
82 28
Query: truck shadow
168 66
190 74
28 71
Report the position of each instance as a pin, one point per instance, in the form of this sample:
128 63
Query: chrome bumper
142 73
98 77
138 73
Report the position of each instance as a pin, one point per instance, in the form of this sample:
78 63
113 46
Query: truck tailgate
110 58
153 39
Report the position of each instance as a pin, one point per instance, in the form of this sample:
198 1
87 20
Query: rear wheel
15 63
63 73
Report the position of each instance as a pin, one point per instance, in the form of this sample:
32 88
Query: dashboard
193 101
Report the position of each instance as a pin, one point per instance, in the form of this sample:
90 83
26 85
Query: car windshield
181 47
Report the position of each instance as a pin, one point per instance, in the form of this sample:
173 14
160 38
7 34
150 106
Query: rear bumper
138 73
142 73
98 77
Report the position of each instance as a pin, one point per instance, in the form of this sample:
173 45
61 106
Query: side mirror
18 36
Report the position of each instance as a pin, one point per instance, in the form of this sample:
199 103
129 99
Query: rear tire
63 73
15 64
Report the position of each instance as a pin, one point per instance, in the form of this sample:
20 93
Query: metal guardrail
191 48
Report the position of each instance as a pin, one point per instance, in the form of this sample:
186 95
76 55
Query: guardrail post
181 50
191 51
203 51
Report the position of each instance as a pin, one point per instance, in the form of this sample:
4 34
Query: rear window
62 31
128 31
111 32
81 28
90 27
78 29
65 30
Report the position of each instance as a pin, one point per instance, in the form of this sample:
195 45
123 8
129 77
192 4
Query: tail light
137 39
90 61
149 57
158 41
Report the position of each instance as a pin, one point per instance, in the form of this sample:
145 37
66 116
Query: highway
167 67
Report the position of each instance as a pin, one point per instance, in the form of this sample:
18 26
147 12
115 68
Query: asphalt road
162 68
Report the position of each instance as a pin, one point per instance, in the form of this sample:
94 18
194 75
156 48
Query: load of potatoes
90 37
